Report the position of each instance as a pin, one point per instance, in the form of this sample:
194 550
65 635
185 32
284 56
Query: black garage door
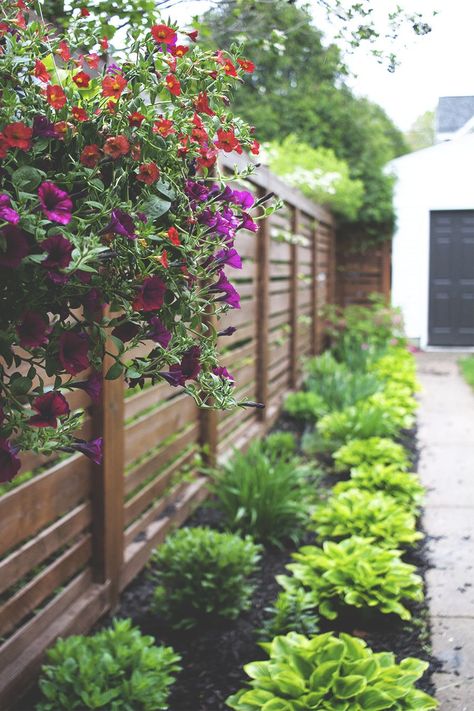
451 305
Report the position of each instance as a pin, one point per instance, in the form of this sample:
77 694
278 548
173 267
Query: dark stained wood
293 374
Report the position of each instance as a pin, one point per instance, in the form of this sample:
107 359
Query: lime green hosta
332 674
358 512
403 486
371 450
397 366
355 572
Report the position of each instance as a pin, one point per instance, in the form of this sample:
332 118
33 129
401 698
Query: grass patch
467 369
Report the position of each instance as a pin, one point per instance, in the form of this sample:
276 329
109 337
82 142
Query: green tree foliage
422 132
299 88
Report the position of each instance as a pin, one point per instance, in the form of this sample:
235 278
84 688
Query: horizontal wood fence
361 273
76 534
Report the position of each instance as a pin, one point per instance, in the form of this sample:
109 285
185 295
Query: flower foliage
113 231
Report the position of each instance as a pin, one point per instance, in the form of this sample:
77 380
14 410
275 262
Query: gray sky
438 64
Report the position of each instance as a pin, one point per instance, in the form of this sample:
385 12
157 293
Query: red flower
84 12
179 51
173 236
61 128
79 114
255 147
49 407
136 119
247 65
192 35
207 157
40 71
18 135
104 44
9 462
151 294
113 85
202 104
81 80
55 96
135 152
90 155
4 146
173 85
164 259
162 34
148 173
33 331
227 141
92 60
116 146
164 127
73 352
63 51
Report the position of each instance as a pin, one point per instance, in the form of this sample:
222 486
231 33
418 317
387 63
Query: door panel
451 298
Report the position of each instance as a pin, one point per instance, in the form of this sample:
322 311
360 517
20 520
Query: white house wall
436 178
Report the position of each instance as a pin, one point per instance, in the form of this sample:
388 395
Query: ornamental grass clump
264 494
402 486
112 231
203 575
292 611
354 573
369 451
332 673
117 669
370 514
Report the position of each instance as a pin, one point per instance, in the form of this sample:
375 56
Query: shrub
281 445
203 574
332 673
293 611
263 495
369 451
306 406
403 486
398 367
116 669
357 512
355 572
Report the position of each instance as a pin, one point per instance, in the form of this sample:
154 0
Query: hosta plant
397 366
355 573
305 405
370 514
281 445
402 486
370 451
203 575
117 669
398 406
113 233
332 674
293 611
336 384
264 494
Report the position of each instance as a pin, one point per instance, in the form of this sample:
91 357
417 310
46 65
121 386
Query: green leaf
165 190
115 371
154 207
374 700
349 686
26 178
21 385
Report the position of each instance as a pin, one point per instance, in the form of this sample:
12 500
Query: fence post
262 315
108 485
314 290
386 268
293 375
208 422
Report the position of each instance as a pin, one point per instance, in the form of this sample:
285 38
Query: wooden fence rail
76 534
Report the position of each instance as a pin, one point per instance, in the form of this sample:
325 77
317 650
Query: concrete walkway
446 437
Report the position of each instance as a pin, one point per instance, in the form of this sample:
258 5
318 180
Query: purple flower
92 386
16 247
74 352
7 213
247 223
59 250
229 331
243 198
231 295
125 331
93 301
92 449
223 373
196 191
114 69
33 331
55 203
159 333
150 295
9 462
49 407
43 128
121 223
188 369
230 257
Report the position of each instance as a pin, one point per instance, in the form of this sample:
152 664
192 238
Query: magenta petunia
242 198
49 407
188 369
125 331
150 295
223 373
43 128
92 386
59 251
74 352
231 295
9 462
33 331
7 213
159 333
17 247
230 257
92 449
121 223
55 203
229 331
247 223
